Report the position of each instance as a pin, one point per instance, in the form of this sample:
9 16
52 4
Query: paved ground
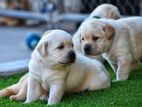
12 42
13 49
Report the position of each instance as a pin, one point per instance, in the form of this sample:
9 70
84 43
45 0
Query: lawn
121 94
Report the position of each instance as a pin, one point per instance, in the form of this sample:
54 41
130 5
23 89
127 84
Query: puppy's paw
44 98
13 97
121 76
50 103
115 80
26 102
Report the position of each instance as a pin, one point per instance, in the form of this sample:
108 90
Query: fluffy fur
103 11
55 69
120 42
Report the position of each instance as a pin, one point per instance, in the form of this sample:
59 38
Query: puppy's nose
87 48
71 54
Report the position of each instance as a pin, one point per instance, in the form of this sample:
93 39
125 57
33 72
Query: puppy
119 41
53 68
102 11
14 5
106 11
56 68
18 91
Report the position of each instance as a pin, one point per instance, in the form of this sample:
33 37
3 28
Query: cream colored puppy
102 11
106 11
55 68
18 91
120 42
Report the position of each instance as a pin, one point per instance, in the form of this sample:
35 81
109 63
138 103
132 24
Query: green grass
121 94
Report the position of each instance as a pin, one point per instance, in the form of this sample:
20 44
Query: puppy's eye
60 47
95 38
72 45
82 39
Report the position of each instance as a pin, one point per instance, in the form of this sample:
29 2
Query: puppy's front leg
34 90
112 64
114 67
56 93
123 69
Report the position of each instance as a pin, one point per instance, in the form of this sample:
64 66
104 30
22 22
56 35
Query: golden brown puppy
120 42
14 5
55 68
102 11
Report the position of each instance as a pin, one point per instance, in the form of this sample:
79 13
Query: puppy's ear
80 38
42 49
117 16
113 15
104 28
109 31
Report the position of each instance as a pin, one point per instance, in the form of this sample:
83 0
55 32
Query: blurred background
20 19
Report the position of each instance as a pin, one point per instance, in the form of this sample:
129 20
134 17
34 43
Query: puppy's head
106 11
96 37
111 11
57 46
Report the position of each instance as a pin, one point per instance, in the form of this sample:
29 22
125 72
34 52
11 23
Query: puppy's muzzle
87 49
71 56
